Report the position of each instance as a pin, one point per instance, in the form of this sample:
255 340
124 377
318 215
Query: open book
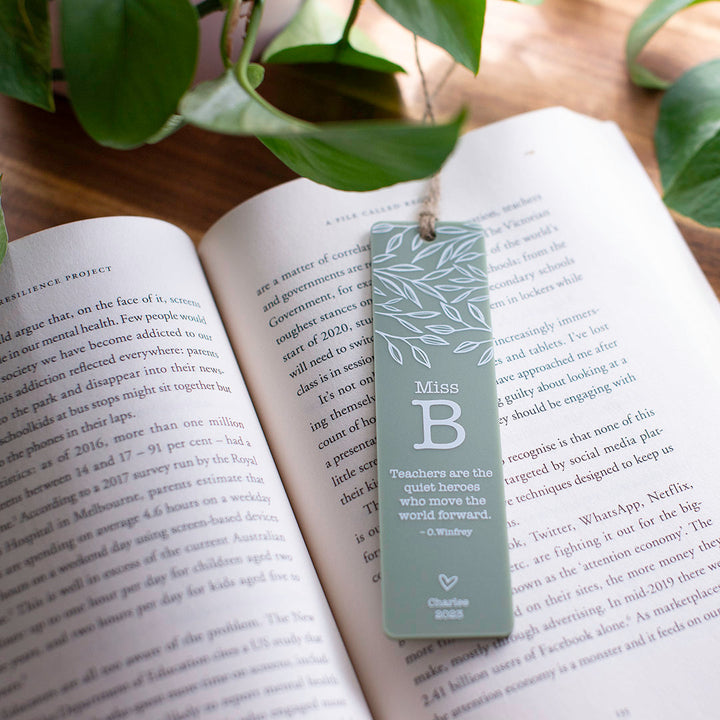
188 527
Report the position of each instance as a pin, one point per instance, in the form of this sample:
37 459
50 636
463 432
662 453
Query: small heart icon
447 582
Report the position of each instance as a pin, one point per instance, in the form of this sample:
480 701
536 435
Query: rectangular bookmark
443 533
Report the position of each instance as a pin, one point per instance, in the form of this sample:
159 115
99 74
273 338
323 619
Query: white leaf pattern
446 255
452 313
421 356
428 250
395 354
407 325
432 340
486 357
423 314
441 329
407 293
466 346
394 243
476 312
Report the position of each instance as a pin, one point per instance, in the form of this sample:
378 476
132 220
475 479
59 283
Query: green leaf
340 53
3 229
256 74
367 156
455 25
687 142
646 25
25 71
348 156
223 106
171 126
315 35
127 63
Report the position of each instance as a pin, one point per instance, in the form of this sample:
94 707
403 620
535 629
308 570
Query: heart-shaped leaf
687 142
127 63
455 25
348 156
315 35
367 156
647 24
222 105
25 71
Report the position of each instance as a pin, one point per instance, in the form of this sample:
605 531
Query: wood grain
564 52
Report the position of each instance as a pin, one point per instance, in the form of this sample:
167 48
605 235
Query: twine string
428 213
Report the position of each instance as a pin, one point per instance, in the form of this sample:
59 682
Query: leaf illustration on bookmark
430 280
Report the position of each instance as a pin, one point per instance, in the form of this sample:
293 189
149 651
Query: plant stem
251 33
241 66
345 39
208 6
231 20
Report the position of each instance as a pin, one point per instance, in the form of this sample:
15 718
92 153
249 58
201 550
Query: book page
606 344
150 564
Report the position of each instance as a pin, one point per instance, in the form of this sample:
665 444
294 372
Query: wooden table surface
563 52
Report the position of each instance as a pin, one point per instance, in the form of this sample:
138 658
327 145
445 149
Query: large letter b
428 423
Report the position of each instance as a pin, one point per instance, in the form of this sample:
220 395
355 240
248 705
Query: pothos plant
129 67
687 136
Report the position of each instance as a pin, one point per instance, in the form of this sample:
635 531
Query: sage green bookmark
443 533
